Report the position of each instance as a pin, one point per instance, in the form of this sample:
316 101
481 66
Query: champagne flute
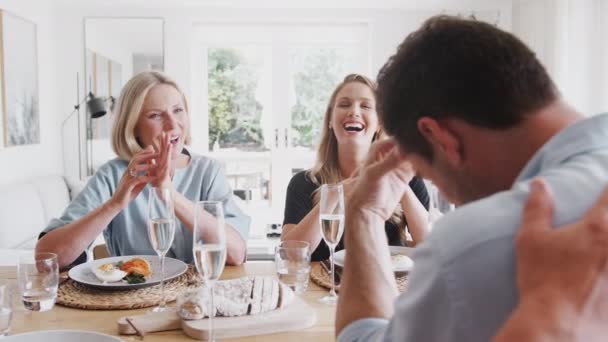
209 248
331 214
161 230
438 205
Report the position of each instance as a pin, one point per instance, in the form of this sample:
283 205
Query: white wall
571 38
22 162
389 27
99 42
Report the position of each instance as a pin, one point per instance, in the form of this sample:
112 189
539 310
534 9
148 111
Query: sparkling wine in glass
438 205
331 214
209 248
161 230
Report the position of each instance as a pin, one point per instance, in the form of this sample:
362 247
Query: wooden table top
105 321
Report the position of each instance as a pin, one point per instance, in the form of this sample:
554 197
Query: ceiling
398 4
138 35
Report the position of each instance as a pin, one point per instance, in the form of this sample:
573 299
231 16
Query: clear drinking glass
38 277
161 230
438 205
209 248
6 308
331 215
292 260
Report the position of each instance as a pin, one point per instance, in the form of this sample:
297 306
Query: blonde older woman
149 133
350 126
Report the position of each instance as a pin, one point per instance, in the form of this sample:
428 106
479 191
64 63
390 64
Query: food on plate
236 297
133 271
137 265
108 273
401 261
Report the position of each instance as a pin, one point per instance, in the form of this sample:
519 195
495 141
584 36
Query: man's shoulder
575 186
472 225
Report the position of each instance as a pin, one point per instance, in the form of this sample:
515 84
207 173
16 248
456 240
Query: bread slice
256 295
236 297
286 296
274 295
267 296
233 297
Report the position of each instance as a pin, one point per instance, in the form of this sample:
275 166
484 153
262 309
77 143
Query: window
264 90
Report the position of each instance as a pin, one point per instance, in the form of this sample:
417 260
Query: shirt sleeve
423 313
219 190
95 193
368 330
298 201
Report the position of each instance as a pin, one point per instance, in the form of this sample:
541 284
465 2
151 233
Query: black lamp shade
96 107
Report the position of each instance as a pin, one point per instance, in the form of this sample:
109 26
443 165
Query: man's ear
442 139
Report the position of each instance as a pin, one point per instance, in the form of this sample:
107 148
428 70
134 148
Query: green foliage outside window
317 72
234 113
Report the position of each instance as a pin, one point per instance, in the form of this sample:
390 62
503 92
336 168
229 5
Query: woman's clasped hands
151 165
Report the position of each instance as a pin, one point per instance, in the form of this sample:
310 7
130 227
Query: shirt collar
581 137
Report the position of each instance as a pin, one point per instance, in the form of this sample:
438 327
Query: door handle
276 138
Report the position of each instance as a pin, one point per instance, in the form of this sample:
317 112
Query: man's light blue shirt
127 233
463 286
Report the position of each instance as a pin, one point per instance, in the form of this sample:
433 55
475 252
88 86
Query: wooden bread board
297 315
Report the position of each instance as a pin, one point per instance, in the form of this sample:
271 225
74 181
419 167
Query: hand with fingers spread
562 274
382 181
164 169
135 177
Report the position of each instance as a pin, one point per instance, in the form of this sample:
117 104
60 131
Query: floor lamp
96 107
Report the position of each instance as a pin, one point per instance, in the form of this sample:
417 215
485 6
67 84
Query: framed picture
19 81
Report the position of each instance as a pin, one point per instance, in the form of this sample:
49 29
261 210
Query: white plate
83 274
61 336
407 251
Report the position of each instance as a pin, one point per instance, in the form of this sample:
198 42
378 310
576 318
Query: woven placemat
321 277
76 295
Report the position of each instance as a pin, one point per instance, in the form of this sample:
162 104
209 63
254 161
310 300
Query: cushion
26 208
75 185
21 215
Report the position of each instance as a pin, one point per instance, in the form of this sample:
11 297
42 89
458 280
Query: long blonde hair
327 169
128 108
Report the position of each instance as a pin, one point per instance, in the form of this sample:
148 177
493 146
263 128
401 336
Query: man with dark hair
471 108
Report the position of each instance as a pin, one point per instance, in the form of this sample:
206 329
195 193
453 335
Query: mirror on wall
115 50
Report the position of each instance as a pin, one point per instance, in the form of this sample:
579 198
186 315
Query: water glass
292 261
38 277
6 310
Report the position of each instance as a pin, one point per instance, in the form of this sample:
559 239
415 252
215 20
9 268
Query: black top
299 203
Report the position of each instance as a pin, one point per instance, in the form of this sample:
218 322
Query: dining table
104 321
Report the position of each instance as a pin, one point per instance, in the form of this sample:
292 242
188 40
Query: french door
263 91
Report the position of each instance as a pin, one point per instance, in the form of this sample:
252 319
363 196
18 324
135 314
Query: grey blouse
202 179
